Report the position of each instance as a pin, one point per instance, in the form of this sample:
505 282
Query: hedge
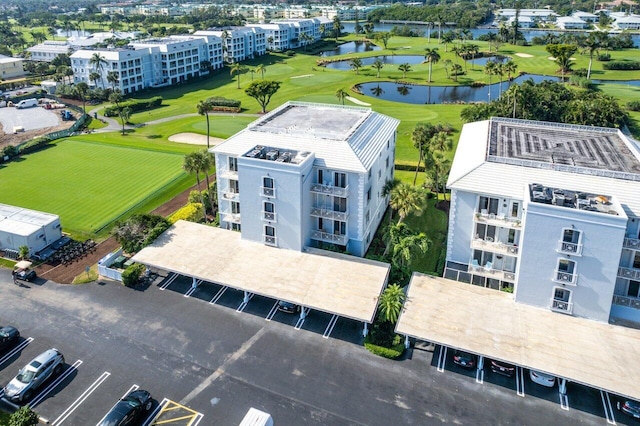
192 212
633 105
216 101
394 352
622 65
131 275
136 105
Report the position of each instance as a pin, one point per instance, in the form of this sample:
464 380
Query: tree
204 161
341 94
113 78
191 165
95 76
115 98
420 137
356 64
262 91
510 68
23 252
236 68
490 69
438 145
81 90
446 39
337 27
433 57
407 199
390 303
456 70
383 37
139 231
472 51
405 249
377 65
261 69
124 114
203 109
592 45
446 64
24 416
562 55
405 68
98 61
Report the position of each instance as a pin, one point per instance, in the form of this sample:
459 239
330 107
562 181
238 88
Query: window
339 228
512 236
488 205
566 265
268 211
270 235
570 236
515 209
320 224
636 260
233 164
339 204
634 289
320 176
368 194
369 174
386 163
268 189
267 182
367 217
234 186
566 272
340 180
486 232
561 298
235 207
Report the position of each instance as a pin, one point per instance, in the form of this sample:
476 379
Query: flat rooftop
490 323
318 121
339 284
574 199
26 216
561 144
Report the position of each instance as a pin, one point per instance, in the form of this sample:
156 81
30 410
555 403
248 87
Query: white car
542 379
32 376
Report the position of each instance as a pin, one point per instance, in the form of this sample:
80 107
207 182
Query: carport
337 284
489 323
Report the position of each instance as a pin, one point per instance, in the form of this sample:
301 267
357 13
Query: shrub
622 65
220 101
394 352
579 81
290 52
136 105
580 72
604 57
633 105
34 144
24 416
192 212
132 274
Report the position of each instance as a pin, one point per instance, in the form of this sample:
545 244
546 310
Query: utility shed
24 227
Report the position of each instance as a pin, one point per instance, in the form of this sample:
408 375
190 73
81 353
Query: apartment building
48 50
11 67
239 43
307 175
550 212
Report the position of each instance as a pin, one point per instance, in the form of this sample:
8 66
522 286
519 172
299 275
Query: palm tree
236 68
203 109
94 76
491 38
509 67
420 139
446 39
407 199
98 61
205 161
356 64
23 252
81 89
341 94
438 145
377 65
116 97
405 68
456 70
191 165
113 78
406 248
261 69
390 303
592 44
490 69
472 50
446 64
500 73
432 56
270 42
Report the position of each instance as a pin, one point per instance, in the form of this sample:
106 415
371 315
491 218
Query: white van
27 103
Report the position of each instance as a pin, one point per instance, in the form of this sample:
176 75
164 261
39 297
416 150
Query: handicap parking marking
171 412
15 350
193 289
608 408
245 302
442 358
564 401
42 395
218 295
273 311
74 406
170 279
131 389
520 381
329 329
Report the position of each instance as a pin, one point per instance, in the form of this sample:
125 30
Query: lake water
351 47
391 91
387 60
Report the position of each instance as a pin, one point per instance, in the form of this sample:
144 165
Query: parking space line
42 395
244 303
193 289
300 322
272 312
171 278
608 408
155 412
15 350
131 389
218 295
177 414
66 413
520 381
329 329
564 401
479 375
442 358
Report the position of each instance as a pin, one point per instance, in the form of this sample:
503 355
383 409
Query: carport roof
491 323
339 284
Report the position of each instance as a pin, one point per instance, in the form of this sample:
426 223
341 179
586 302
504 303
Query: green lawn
90 185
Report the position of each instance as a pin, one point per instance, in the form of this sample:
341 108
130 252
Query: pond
351 47
483 61
388 60
391 91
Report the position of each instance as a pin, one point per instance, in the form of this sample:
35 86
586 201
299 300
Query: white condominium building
239 43
550 211
284 34
307 175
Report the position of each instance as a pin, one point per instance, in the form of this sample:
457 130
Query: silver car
32 376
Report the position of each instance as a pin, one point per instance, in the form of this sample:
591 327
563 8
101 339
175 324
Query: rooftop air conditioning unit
272 155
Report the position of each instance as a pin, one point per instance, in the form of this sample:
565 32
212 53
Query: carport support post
562 386
365 330
194 283
406 342
246 297
480 362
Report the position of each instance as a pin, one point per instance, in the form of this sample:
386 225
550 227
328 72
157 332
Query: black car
130 410
287 307
9 337
464 359
503 368
630 408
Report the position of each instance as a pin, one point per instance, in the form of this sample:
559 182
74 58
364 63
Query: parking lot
28 118
204 355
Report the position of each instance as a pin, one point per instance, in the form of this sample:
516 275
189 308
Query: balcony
631 243
632 302
268 192
570 248
330 190
494 246
329 237
230 195
629 273
229 174
561 306
329 214
564 277
230 217
269 216
498 220
270 240
489 272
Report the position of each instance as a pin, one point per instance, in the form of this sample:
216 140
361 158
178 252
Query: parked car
287 307
629 407
9 337
464 359
32 376
503 368
130 410
542 379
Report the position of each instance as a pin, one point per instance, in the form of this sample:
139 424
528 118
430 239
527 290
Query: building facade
307 175
239 43
24 227
550 212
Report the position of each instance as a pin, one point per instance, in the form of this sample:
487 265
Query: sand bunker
302 76
357 101
524 55
194 139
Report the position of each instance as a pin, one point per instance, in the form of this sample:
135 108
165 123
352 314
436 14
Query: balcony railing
329 237
629 273
564 277
329 214
631 243
498 220
229 174
270 240
231 217
270 216
570 248
561 306
267 192
632 302
230 195
489 272
494 246
330 190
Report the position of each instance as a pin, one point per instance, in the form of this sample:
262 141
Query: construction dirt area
21 125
